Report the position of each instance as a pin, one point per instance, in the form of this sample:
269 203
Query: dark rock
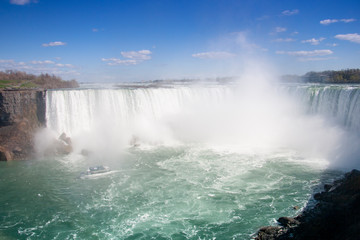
327 187
5 155
16 141
59 146
22 112
21 104
296 207
65 138
62 148
269 233
336 214
288 222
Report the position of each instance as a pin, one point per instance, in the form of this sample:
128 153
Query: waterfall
340 103
126 110
218 115
71 111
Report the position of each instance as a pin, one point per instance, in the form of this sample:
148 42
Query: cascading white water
121 115
72 111
340 103
248 118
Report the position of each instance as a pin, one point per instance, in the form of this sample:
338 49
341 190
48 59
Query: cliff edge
336 215
22 112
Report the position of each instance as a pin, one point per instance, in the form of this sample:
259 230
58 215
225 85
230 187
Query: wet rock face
335 216
22 112
288 222
269 233
16 105
60 146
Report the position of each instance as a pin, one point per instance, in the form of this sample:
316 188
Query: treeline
342 76
17 79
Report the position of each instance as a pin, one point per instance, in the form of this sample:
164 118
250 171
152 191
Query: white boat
97 170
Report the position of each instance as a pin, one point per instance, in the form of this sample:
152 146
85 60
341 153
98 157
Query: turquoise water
183 192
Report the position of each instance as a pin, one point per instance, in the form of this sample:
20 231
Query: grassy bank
21 80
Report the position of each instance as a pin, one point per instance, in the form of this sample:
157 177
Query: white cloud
329 21
132 58
213 55
53 44
289 12
42 62
308 59
138 55
307 53
352 37
7 61
21 2
95 30
62 65
332 44
7 64
262 18
313 41
284 40
348 20
117 61
38 67
280 29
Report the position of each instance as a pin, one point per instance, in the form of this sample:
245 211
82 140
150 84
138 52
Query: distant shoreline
17 80
347 76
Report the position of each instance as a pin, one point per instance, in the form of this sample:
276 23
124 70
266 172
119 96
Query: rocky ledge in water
336 215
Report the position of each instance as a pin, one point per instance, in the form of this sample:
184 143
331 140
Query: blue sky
138 40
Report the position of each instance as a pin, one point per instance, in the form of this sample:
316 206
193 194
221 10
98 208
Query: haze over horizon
136 40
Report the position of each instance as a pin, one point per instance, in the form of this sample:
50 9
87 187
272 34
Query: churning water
204 162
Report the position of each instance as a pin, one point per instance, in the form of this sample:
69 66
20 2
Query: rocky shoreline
336 215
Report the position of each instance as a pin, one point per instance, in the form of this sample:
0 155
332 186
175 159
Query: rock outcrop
22 112
60 146
336 215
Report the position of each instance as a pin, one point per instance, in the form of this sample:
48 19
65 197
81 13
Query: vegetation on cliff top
11 79
342 76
